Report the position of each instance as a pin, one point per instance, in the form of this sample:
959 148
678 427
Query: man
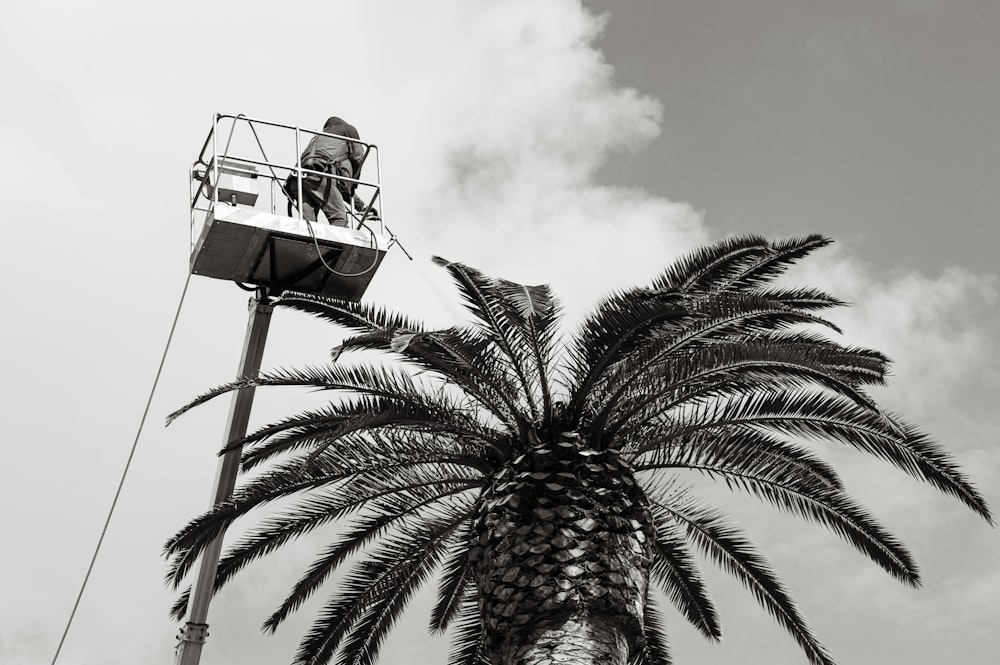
334 156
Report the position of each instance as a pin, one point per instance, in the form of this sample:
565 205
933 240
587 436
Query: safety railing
234 160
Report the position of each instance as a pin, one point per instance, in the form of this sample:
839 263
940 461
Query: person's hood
335 125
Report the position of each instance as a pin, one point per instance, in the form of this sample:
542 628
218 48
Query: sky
579 145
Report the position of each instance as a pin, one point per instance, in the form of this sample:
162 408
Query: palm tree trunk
561 559
577 640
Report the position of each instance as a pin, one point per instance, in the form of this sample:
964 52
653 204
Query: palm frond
180 606
377 326
313 511
620 324
482 296
372 593
803 413
456 583
929 462
830 418
361 644
709 320
859 365
378 340
768 477
721 315
783 254
744 365
725 545
388 382
384 511
320 506
322 428
364 640
464 357
746 447
655 648
534 312
674 569
353 449
356 316
700 270
467 636
807 298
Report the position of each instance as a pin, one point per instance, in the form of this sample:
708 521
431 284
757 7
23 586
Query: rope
121 482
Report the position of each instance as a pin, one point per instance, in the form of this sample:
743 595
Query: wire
270 168
128 463
326 265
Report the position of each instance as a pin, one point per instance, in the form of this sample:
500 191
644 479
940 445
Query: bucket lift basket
254 235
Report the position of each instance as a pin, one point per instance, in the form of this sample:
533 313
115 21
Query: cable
326 265
270 168
128 463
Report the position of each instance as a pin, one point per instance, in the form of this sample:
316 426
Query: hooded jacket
335 151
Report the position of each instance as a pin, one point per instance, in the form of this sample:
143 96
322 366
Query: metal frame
205 170
326 256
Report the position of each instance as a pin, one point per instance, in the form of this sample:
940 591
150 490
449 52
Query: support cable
128 463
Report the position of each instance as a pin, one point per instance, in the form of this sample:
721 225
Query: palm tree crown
538 475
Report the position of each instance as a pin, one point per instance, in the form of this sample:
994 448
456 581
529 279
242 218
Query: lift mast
247 241
192 635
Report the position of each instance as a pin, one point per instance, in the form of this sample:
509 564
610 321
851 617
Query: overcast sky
583 146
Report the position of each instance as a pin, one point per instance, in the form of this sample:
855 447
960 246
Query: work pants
325 196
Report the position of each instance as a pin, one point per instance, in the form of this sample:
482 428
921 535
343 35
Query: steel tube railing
298 170
212 161
277 165
258 121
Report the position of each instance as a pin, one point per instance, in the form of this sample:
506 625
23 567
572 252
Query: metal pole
192 636
298 171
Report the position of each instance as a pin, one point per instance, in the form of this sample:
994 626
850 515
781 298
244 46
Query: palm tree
540 476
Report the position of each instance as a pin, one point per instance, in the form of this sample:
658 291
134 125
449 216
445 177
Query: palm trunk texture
561 559
579 639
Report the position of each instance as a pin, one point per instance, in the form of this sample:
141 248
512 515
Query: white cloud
937 330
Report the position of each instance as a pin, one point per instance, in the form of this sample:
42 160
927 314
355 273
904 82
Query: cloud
936 329
499 173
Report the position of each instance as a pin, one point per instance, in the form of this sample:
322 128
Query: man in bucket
334 156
